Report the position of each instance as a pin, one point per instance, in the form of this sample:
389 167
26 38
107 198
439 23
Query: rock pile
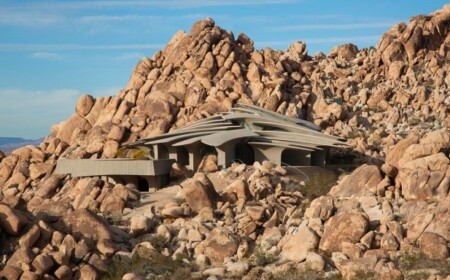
391 103
366 225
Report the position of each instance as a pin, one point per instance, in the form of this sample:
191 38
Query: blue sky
51 52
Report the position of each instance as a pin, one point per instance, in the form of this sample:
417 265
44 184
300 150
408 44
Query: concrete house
246 134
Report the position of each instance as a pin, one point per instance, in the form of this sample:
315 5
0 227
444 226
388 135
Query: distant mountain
8 144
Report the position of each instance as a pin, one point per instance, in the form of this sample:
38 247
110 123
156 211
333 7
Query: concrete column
226 153
195 155
268 153
161 151
173 153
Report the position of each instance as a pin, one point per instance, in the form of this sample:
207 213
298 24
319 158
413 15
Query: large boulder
363 181
47 188
433 245
346 227
322 207
82 223
433 143
396 152
218 245
38 170
11 220
21 257
297 246
199 194
84 105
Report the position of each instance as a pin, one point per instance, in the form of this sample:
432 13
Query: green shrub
140 154
146 263
158 242
419 261
122 152
302 274
260 257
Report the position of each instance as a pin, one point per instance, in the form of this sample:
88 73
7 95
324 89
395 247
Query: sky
51 52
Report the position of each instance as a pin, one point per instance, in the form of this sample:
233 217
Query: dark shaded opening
142 184
296 157
244 152
207 150
183 155
319 158
163 152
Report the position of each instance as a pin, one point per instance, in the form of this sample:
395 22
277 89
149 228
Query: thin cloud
173 4
46 55
28 18
134 17
351 26
33 112
64 47
107 18
129 56
35 99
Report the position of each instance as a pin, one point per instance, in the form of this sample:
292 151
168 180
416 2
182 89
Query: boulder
87 272
11 220
21 257
112 203
363 181
348 227
315 261
218 245
38 170
297 246
199 195
10 273
397 151
107 247
240 189
322 207
42 264
140 225
84 105
433 245
208 164
417 224
350 268
83 222
433 143
30 237
255 212
424 185
47 188
68 127
63 272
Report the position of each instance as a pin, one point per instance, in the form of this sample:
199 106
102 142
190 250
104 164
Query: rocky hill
391 102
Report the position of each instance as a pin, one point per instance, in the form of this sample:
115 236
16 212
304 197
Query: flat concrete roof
110 167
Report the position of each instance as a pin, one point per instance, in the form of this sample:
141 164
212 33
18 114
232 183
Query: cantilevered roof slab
221 138
187 132
284 145
277 116
252 125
